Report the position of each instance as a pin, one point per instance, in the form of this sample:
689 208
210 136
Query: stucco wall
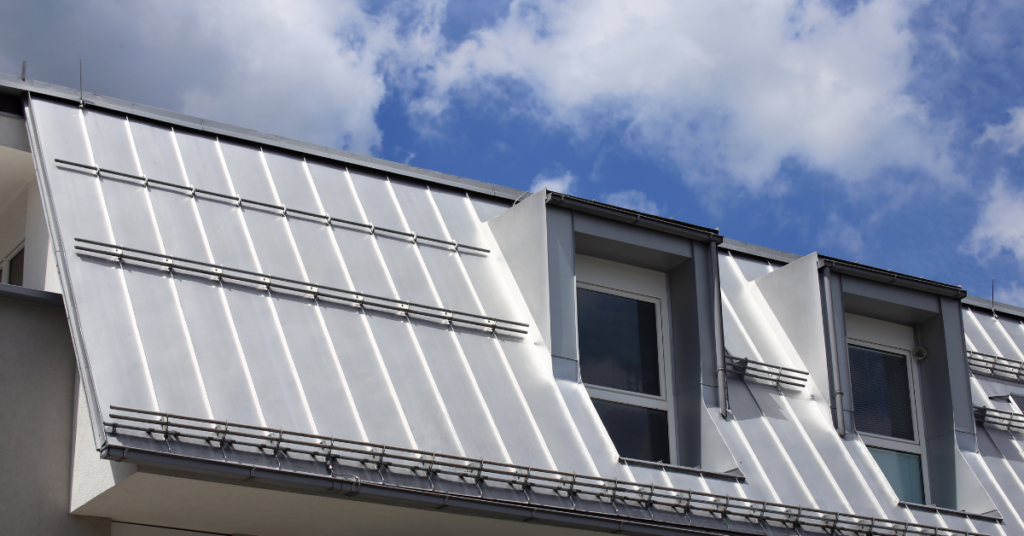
37 388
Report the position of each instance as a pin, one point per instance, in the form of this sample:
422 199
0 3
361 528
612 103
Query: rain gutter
890 277
632 217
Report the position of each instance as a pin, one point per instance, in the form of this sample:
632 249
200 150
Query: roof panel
160 337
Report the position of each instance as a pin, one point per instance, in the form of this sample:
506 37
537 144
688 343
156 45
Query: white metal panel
508 407
98 294
424 410
175 374
372 390
322 380
460 391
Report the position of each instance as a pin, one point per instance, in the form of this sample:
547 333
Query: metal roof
230 278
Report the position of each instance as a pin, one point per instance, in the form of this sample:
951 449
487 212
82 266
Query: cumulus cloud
839 234
306 69
1000 225
1009 136
559 183
632 199
723 90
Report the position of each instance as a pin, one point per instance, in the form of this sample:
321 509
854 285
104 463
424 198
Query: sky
884 132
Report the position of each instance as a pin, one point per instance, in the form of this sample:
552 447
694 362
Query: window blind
881 393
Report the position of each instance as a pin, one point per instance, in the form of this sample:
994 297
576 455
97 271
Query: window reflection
618 342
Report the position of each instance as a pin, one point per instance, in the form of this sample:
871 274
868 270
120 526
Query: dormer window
622 354
885 404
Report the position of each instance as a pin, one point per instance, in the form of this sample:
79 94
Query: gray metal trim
12 85
735 476
893 278
632 217
38 297
758 251
988 305
89 385
938 510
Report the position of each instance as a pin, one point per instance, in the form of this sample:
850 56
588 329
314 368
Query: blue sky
888 133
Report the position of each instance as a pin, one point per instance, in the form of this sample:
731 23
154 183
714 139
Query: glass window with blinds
884 413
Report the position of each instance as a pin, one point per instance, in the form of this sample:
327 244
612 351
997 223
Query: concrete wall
37 409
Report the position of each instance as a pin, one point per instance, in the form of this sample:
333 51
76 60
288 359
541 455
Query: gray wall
37 388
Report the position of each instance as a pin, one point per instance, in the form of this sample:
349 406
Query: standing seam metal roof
155 336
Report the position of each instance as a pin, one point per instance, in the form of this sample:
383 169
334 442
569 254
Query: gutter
891 278
632 217
352 487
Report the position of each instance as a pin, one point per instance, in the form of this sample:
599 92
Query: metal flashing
989 305
776 255
10 84
735 475
632 217
890 277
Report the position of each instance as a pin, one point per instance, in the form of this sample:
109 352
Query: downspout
716 290
834 350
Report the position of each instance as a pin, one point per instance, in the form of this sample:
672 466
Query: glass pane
881 393
637 432
618 342
17 269
903 471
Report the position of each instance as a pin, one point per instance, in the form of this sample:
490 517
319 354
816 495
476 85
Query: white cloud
724 90
560 183
634 200
839 234
306 69
1012 294
1009 136
1000 225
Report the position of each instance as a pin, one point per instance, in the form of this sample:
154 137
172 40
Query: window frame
893 443
627 281
5 263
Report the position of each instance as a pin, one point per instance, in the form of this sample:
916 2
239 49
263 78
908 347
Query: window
885 414
622 355
12 269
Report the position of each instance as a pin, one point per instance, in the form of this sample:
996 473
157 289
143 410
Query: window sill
993 516
735 475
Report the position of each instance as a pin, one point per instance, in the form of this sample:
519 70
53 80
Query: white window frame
894 443
639 284
5 263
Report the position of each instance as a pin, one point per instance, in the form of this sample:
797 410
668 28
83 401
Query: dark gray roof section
12 85
985 303
759 251
891 277
632 217
38 297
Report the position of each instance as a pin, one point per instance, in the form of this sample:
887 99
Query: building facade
215 330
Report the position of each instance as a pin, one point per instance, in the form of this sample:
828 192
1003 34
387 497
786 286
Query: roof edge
632 217
890 277
999 307
13 84
30 295
784 257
